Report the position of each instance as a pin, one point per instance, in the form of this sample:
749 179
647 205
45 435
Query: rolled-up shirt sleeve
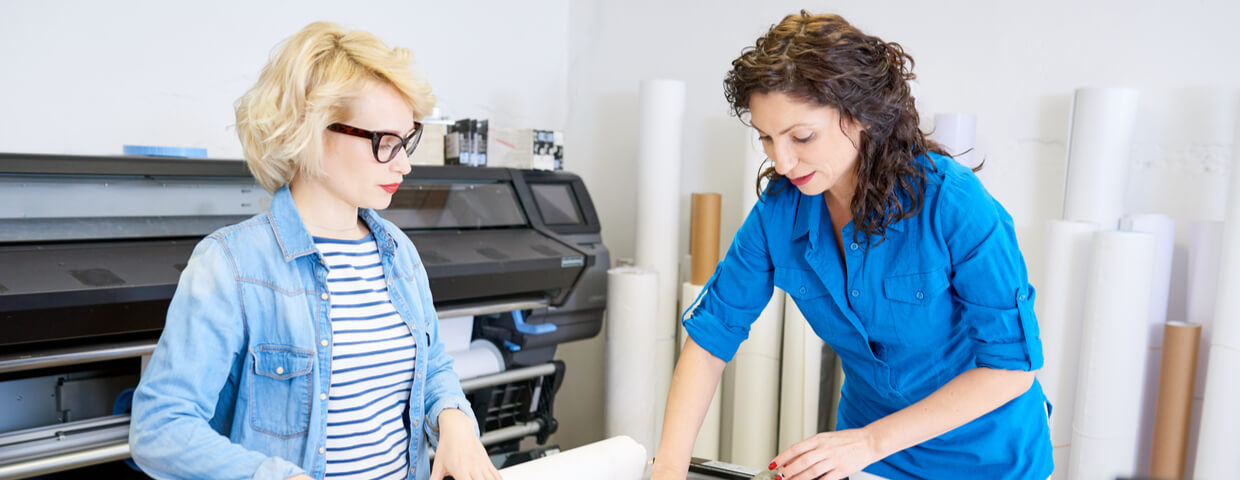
736 294
994 297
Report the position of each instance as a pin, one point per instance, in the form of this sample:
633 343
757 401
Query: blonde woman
303 342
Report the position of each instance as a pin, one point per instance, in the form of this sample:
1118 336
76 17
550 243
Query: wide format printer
91 249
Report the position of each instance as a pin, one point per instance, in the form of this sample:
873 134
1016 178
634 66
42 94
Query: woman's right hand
693 386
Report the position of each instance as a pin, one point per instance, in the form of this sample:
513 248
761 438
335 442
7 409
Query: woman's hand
831 455
460 452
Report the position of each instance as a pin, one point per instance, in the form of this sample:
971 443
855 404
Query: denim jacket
237 386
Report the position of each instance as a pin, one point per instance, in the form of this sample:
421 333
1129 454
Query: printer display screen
557 203
430 204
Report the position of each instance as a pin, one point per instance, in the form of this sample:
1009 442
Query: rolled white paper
957 132
617 458
751 391
1204 251
456 333
707 444
1112 364
1220 419
632 400
661 111
1060 310
1163 229
1103 121
799 378
481 358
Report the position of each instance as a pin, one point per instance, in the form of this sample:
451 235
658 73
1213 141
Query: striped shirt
372 367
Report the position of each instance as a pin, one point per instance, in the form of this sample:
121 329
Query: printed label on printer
566 262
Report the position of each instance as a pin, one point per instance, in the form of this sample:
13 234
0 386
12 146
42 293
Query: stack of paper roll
799 378
1204 251
1060 312
704 253
1175 400
1163 229
1102 125
750 405
1220 419
957 133
661 111
1112 363
616 458
632 400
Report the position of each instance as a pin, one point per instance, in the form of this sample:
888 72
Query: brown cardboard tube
703 236
1175 399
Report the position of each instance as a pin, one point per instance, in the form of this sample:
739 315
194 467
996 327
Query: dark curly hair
825 60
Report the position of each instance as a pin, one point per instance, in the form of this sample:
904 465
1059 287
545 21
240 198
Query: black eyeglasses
384 144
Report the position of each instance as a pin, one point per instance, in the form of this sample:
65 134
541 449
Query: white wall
1015 65
86 77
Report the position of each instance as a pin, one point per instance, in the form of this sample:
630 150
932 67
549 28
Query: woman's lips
390 188
802 180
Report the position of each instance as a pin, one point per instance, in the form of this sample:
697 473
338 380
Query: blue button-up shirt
237 386
945 292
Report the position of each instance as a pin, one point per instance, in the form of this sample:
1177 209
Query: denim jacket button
323 296
323 342
322 396
279 370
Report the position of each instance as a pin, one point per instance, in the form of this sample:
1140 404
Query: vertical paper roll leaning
1103 121
632 400
617 458
957 132
1112 364
704 236
799 378
707 444
1060 311
1220 419
751 384
1175 400
1204 250
661 111
1163 229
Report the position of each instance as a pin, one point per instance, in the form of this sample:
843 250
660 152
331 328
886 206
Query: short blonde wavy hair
305 87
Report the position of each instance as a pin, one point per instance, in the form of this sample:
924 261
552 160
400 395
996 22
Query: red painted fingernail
771 466
780 476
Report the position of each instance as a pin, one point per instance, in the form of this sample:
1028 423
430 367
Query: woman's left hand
829 455
460 452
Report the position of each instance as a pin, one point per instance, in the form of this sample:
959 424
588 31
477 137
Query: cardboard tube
704 236
1175 399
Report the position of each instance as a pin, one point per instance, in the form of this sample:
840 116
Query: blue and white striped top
372 367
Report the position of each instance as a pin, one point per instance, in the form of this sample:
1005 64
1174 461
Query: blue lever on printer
518 320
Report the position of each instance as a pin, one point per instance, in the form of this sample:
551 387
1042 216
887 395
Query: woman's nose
402 164
783 159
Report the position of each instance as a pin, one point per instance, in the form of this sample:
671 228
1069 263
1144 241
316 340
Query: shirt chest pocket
280 390
919 305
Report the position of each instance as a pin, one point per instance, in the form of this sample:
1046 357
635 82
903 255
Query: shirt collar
295 241
809 217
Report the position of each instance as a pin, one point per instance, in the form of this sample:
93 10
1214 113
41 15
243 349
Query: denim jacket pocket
280 390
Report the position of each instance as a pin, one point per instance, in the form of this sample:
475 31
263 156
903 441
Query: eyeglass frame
408 143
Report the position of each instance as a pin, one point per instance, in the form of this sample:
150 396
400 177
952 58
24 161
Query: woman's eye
764 138
804 139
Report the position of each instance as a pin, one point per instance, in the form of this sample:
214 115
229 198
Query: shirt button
323 342
920 295
279 370
802 290
854 246
419 375
856 293
415 423
323 296
1021 298
322 450
322 396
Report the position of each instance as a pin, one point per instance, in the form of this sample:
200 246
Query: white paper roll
1060 309
661 111
707 445
632 400
957 132
1204 251
1103 120
481 358
1220 419
617 458
1163 229
799 378
456 333
1112 364
751 391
